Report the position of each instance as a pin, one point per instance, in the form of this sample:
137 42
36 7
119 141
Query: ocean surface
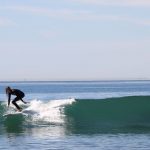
107 115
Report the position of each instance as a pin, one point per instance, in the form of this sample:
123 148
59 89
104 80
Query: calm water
78 115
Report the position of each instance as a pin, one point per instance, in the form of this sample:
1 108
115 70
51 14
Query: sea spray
50 112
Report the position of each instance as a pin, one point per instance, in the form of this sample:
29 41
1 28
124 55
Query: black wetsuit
19 95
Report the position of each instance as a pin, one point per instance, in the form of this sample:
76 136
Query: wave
38 111
125 114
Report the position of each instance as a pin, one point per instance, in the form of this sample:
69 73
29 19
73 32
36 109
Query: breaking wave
125 114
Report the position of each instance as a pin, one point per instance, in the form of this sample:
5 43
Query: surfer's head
8 90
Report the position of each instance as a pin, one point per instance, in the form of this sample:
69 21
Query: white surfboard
14 114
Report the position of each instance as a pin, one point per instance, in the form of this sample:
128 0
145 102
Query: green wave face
10 124
128 114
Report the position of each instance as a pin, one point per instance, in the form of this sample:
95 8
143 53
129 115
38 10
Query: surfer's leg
14 102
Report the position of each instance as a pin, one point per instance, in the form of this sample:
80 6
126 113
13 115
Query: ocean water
105 115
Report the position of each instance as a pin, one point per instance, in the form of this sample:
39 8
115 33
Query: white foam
51 111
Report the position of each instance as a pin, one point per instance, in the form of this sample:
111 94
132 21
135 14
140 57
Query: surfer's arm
9 96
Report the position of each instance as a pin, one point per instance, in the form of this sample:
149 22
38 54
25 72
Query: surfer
19 95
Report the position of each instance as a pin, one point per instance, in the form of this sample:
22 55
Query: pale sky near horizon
74 39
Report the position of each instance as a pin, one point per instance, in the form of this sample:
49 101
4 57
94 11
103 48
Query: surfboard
14 114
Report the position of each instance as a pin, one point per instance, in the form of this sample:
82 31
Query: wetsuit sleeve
9 96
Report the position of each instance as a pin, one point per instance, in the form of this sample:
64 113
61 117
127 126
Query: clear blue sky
74 39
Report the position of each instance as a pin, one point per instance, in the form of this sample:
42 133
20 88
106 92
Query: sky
74 40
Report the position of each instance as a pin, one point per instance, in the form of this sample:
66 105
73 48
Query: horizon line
96 80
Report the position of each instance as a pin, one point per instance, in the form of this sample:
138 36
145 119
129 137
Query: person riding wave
19 95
